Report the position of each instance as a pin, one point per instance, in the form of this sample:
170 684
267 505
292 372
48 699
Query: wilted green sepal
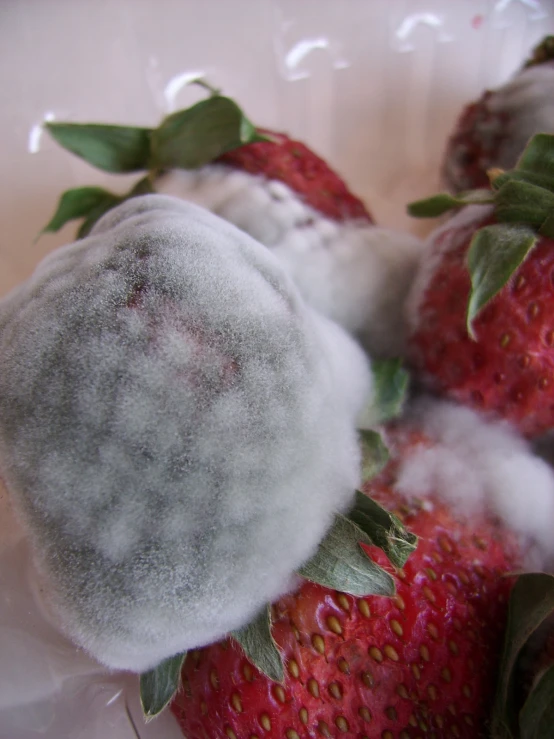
204 84
523 203
375 454
390 386
142 187
531 603
80 202
95 215
439 204
538 156
384 529
259 646
434 206
494 255
516 175
543 52
547 226
159 685
341 564
195 136
249 134
110 148
536 718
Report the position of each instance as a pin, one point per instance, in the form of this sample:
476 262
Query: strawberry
274 188
169 463
481 305
493 131
286 197
423 662
509 368
302 170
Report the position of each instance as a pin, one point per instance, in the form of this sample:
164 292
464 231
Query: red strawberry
509 369
274 188
298 167
422 663
493 131
490 272
289 199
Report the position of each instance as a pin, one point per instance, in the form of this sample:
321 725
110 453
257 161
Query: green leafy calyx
441 203
81 202
375 454
543 52
494 254
192 138
521 712
116 149
159 685
385 530
523 195
340 563
390 387
257 643
187 139
523 205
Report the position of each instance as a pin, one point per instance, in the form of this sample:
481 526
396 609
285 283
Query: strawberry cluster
182 429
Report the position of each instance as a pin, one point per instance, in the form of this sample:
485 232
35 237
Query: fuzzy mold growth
177 428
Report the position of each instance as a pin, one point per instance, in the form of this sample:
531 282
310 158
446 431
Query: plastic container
372 85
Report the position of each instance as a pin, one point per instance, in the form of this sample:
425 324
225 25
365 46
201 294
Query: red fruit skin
509 369
297 166
420 664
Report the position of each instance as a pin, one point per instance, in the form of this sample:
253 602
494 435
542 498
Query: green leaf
494 255
259 646
375 454
196 136
538 156
95 215
531 603
434 206
520 175
536 718
443 202
523 203
341 564
547 226
159 685
390 386
204 84
111 148
249 134
142 187
80 202
384 529
543 52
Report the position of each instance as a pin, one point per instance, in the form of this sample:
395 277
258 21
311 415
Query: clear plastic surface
372 85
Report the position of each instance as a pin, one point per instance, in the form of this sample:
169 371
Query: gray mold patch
176 428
